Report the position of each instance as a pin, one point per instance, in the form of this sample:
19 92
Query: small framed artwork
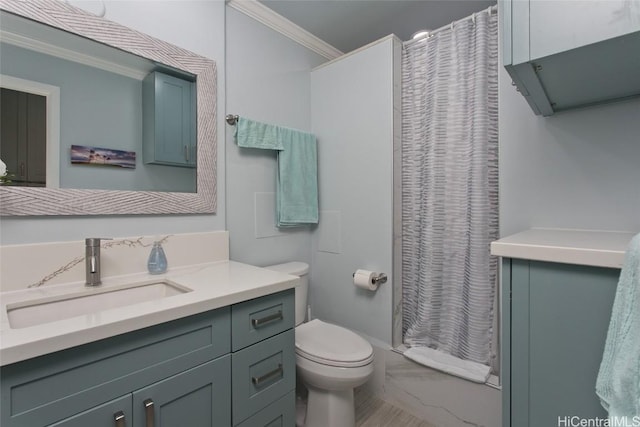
81 154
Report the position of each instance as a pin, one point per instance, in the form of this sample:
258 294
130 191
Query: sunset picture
81 154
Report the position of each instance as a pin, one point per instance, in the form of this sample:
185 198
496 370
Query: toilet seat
332 345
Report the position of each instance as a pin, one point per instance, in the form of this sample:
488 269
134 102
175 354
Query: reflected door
23 133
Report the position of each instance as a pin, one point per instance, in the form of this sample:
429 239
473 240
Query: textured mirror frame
16 201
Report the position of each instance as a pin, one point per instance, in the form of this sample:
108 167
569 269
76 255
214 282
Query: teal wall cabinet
180 373
555 322
563 55
169 120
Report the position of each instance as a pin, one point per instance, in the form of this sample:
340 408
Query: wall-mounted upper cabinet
169 115
568 54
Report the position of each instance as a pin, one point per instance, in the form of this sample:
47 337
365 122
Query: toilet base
330 408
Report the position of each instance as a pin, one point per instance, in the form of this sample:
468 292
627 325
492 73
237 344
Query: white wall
352 107
198 26
576 169
268 79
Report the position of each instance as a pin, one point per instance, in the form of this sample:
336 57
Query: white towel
444 362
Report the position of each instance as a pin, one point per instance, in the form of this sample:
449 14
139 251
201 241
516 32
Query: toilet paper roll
364 279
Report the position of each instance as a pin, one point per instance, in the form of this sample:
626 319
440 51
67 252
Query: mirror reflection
82 115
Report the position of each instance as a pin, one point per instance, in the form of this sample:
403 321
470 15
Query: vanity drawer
279 414
257 319
64 383
262 373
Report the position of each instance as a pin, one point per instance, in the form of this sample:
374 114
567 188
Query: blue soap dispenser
157 263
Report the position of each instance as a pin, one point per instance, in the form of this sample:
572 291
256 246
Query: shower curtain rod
428 34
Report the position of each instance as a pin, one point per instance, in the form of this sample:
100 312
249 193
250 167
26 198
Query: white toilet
330 360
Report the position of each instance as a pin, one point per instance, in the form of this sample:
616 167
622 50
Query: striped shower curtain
450 188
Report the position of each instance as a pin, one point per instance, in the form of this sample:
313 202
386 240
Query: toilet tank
300 269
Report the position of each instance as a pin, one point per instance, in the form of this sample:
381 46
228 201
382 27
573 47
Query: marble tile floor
372 411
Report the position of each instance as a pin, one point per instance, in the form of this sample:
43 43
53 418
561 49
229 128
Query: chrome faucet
92 260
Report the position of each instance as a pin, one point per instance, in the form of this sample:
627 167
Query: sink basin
89 301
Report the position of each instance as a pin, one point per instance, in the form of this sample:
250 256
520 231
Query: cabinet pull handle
264 320
269 375
118 417
149 412
186 153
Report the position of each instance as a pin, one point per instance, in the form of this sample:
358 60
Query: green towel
618 383
252 134
297 180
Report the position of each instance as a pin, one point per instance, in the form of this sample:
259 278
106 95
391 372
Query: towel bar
232 119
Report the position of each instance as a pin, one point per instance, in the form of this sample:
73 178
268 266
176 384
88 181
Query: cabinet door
170 120
198 397
559 320
116 413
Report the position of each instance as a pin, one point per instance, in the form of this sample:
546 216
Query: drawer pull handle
118 417
149 412
264 320
257 381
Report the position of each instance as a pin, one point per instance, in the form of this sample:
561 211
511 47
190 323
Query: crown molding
271 19
70 55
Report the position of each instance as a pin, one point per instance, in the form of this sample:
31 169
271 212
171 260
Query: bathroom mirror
93 36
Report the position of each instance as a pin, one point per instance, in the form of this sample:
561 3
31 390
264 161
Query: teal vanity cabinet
555 321
179 373
169 120
567 54
105 383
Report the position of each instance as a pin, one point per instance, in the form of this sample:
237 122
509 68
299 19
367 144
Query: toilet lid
332 345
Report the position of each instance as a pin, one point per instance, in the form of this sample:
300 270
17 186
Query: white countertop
584 247
213 285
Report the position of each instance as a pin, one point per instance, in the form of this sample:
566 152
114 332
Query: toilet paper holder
378 279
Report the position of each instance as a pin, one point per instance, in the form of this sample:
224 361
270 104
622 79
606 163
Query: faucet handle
95 241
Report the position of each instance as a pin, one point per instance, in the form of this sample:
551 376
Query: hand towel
252 134
297 178
618 382
297 187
